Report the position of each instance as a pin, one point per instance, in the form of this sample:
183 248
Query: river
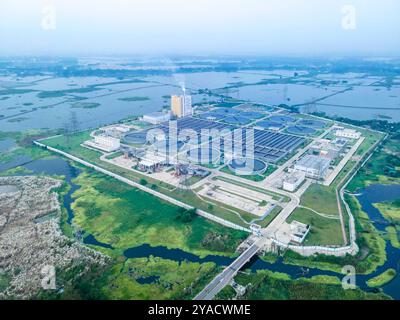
369 195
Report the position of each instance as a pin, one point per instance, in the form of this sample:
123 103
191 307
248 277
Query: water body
376 194
6 144
16 162
90 239
147 280
8 189
61 167
41 113
372 194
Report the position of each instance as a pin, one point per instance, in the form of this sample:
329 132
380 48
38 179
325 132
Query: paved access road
224 278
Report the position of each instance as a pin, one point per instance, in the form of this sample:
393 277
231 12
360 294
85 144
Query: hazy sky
268 27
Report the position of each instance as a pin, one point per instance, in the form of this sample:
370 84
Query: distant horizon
194 27
332 56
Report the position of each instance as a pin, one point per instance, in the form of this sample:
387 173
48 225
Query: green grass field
171 280
323 231
320 198
382 279
127 217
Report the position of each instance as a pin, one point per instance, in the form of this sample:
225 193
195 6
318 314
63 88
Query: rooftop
313 162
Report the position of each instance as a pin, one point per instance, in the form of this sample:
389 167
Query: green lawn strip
114 155
382 279
272 215
256 177
192 180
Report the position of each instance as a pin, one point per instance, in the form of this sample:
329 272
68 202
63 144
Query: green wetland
159 252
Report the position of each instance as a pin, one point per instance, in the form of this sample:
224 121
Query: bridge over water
224 278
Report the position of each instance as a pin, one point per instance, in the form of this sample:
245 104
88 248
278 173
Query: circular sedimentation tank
225 111
282 119
247 166
252 115
205 156
267 124
211 114
238 120
318 124
301 130
136 138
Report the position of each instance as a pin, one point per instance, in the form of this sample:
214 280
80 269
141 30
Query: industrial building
347 133
157 117
315 167
181 106
116 130
293 180
329 148
104 143
299 232
152 163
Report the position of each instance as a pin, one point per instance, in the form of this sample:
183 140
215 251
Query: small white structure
256 230
104 143
157 117
315 167
117 130
292 181
152 162
299 232
329 148
347 133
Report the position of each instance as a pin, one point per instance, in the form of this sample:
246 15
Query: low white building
104 143
299 232
293 180
347 133
109 143
117 130
157 117
329 148
315 167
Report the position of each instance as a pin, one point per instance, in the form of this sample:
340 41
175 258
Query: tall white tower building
181 106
